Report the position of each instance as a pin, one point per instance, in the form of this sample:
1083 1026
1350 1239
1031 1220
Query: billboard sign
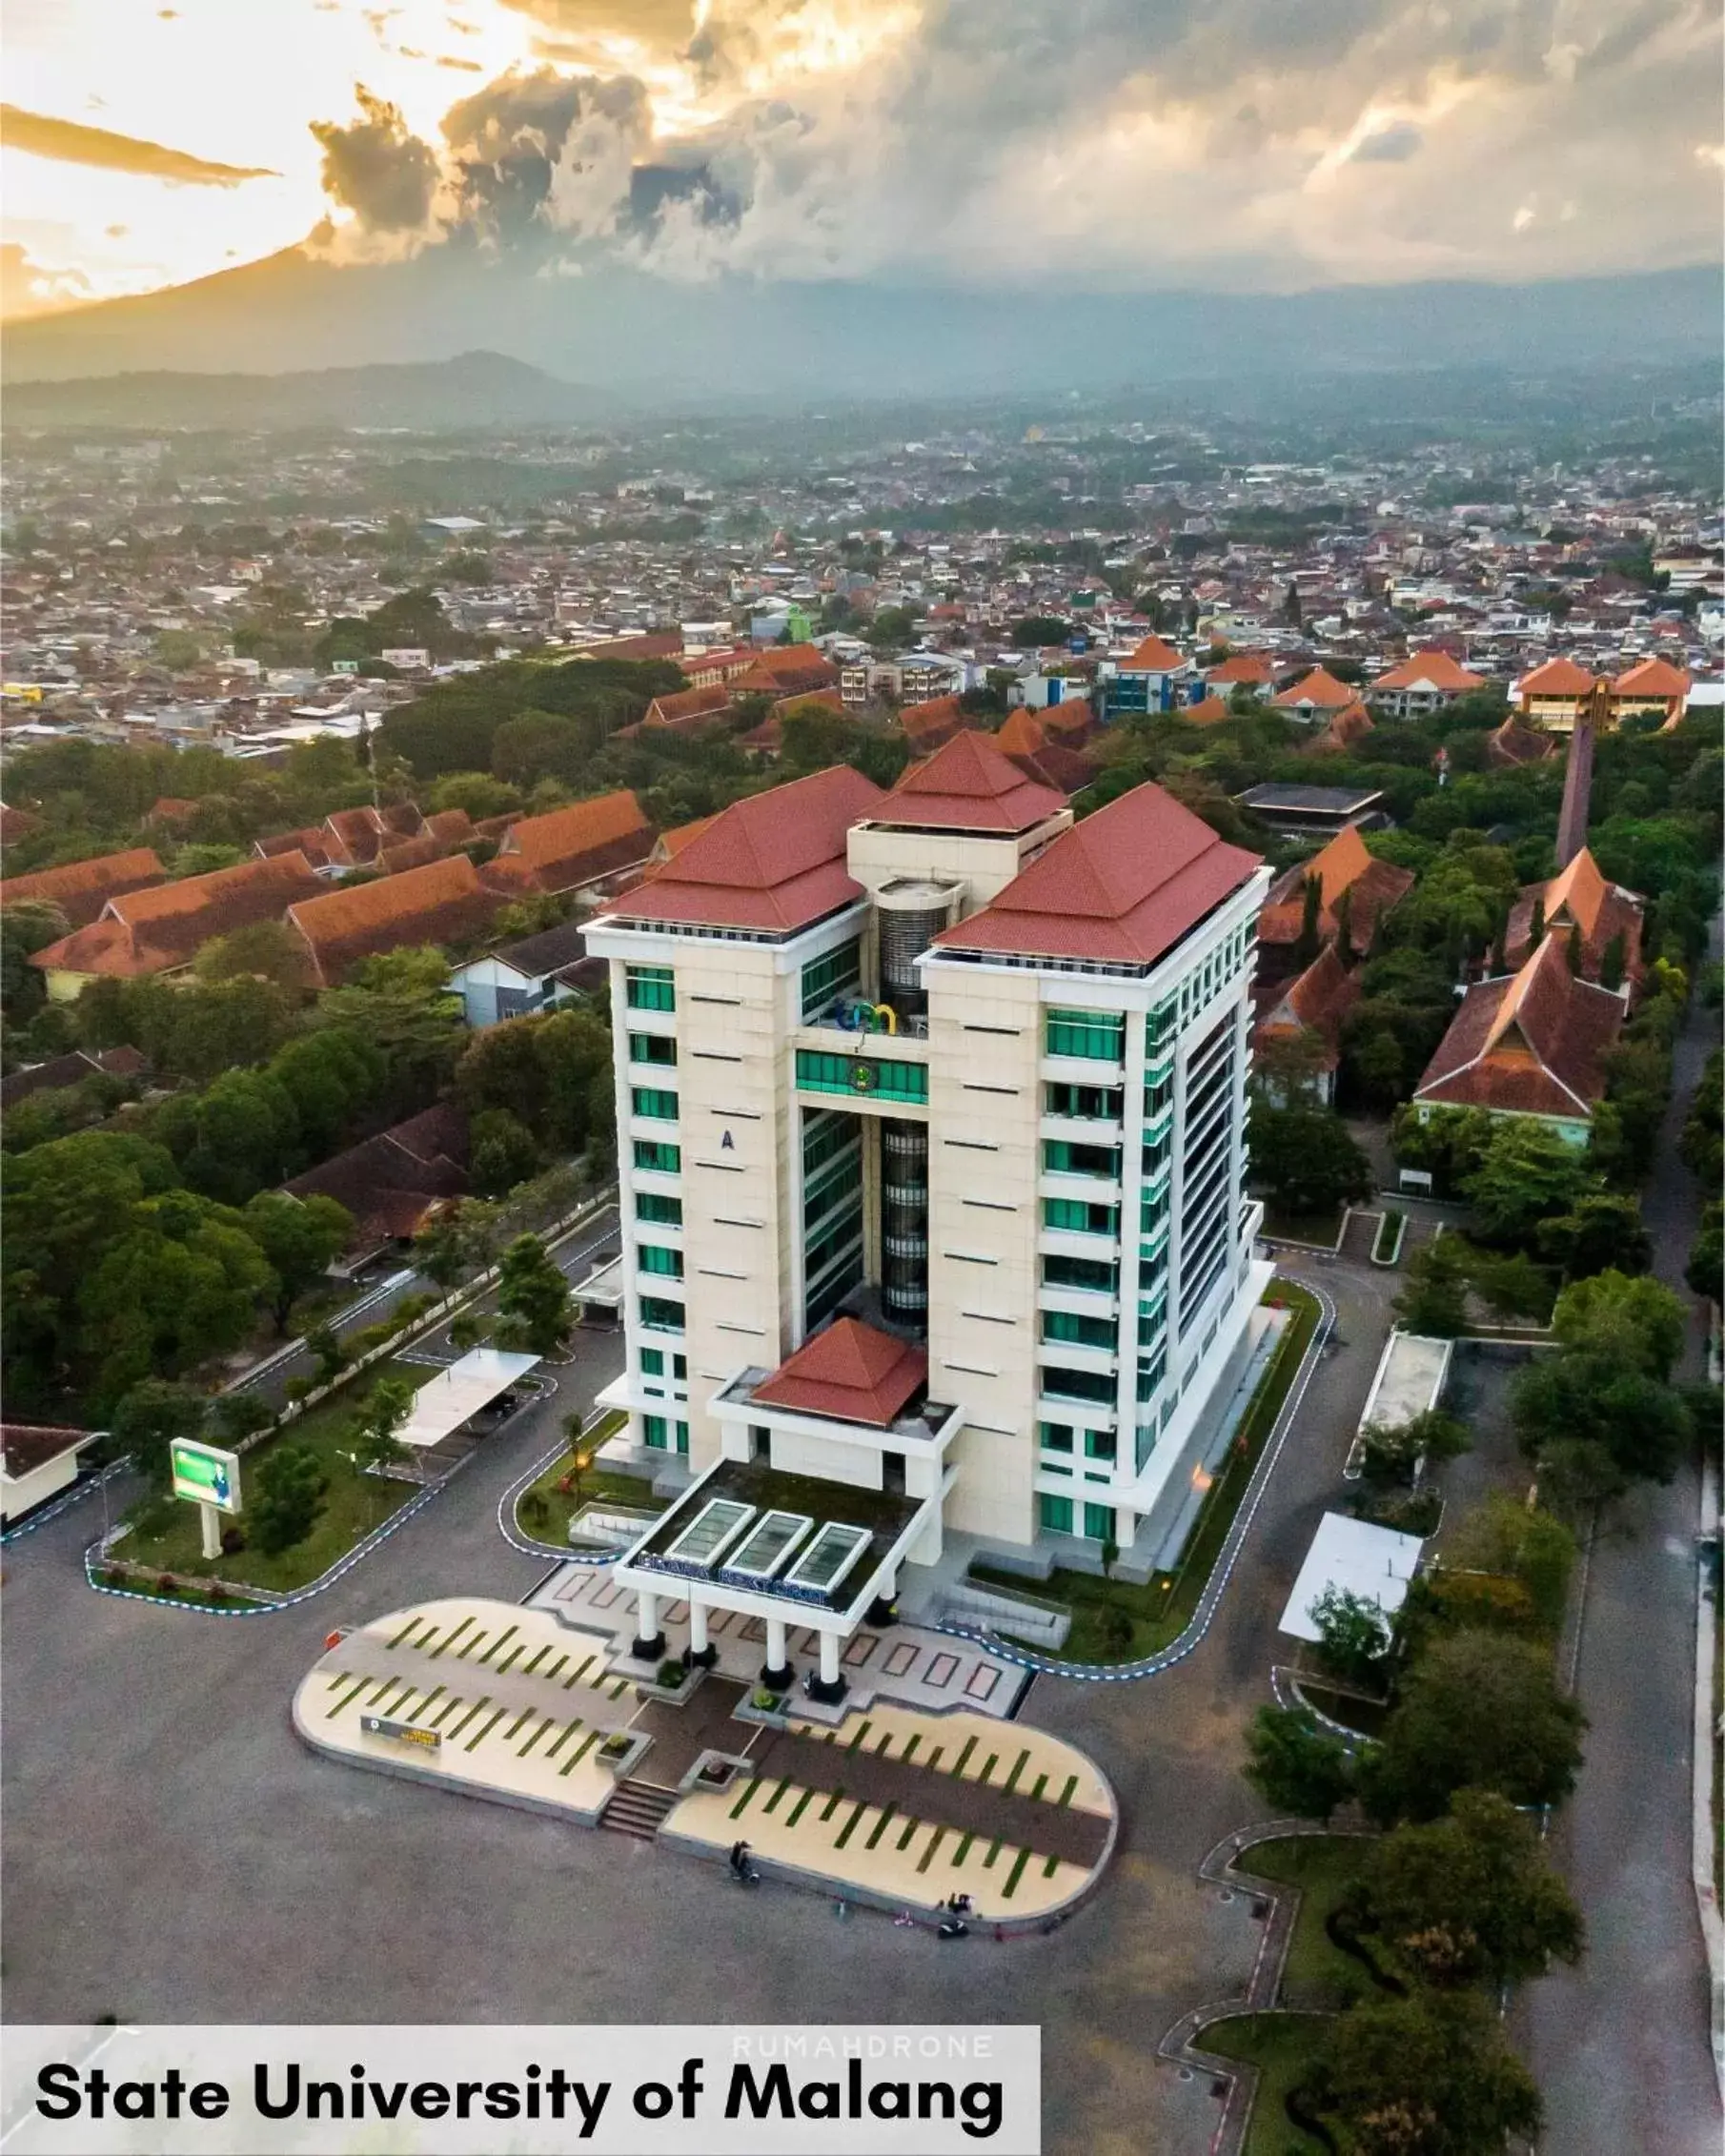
205 1474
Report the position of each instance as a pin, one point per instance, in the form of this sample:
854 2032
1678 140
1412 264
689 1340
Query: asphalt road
377 1297
1620 2046
172 1850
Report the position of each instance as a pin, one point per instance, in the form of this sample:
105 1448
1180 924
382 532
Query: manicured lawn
1282 2046
169 1537
1161 1610
599 1485
1321 1865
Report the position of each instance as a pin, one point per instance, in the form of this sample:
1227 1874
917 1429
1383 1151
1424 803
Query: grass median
1284 2048
166 1533
544 1509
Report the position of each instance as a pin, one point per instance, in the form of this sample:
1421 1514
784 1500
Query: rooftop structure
446 901
1531 1043
82 888
162 927
1296 812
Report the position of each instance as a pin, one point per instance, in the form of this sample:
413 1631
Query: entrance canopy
1355 1558
457 1394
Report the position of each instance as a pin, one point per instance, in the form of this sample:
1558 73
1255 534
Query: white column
829 1657
776 1656
698 1627
646 1615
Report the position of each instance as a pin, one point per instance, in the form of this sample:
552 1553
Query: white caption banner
867 2089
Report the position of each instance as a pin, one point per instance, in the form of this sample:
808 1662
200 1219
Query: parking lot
172 1848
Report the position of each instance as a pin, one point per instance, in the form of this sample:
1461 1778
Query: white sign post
207 1477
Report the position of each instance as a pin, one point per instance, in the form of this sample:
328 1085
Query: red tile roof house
1580 897
82 888
394 1183
1347 726
447 902
571 849
1314 1006
163 928
1254 670
1318 695
1655 687
689 711
1551 695
1026 740
1516 742
928 726
1532 1043
1421 684
1344 865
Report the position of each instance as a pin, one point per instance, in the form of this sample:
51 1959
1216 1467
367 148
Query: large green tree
1526 1175
1295 1765
1471 1898
285 1498
1637 1323
533 1298
300 1237
1428 2075
1476 1710
1304 1160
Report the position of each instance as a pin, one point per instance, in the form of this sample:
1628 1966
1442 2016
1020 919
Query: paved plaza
905 1663
895 1805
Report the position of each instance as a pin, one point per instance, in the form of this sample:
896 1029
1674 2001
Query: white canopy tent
1355 1558
458 1393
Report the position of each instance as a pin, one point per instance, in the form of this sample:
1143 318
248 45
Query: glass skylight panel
710 1530
769 1543
828 1557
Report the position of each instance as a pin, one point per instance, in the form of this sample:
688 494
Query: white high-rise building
932 1117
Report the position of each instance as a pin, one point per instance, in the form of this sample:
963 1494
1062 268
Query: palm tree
580 1458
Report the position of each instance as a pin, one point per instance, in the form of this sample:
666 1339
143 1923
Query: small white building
37 1461
1350 1557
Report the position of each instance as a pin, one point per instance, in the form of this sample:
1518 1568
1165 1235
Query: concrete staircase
639 1809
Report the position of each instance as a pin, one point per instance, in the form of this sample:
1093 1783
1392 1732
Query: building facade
931 1112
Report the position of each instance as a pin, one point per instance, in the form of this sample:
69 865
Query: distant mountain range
634 337
474 389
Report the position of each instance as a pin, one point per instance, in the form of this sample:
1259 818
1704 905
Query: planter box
714 1772
622 1758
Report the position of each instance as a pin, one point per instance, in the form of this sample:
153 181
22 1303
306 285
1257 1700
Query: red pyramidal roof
773 863
1557 676
1121 887
851 1372
1320 689
1152 657
969 785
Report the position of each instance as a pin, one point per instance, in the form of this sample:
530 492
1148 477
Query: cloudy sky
1106 143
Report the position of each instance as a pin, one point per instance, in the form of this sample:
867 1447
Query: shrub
671 1674
167 1584
233 1542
